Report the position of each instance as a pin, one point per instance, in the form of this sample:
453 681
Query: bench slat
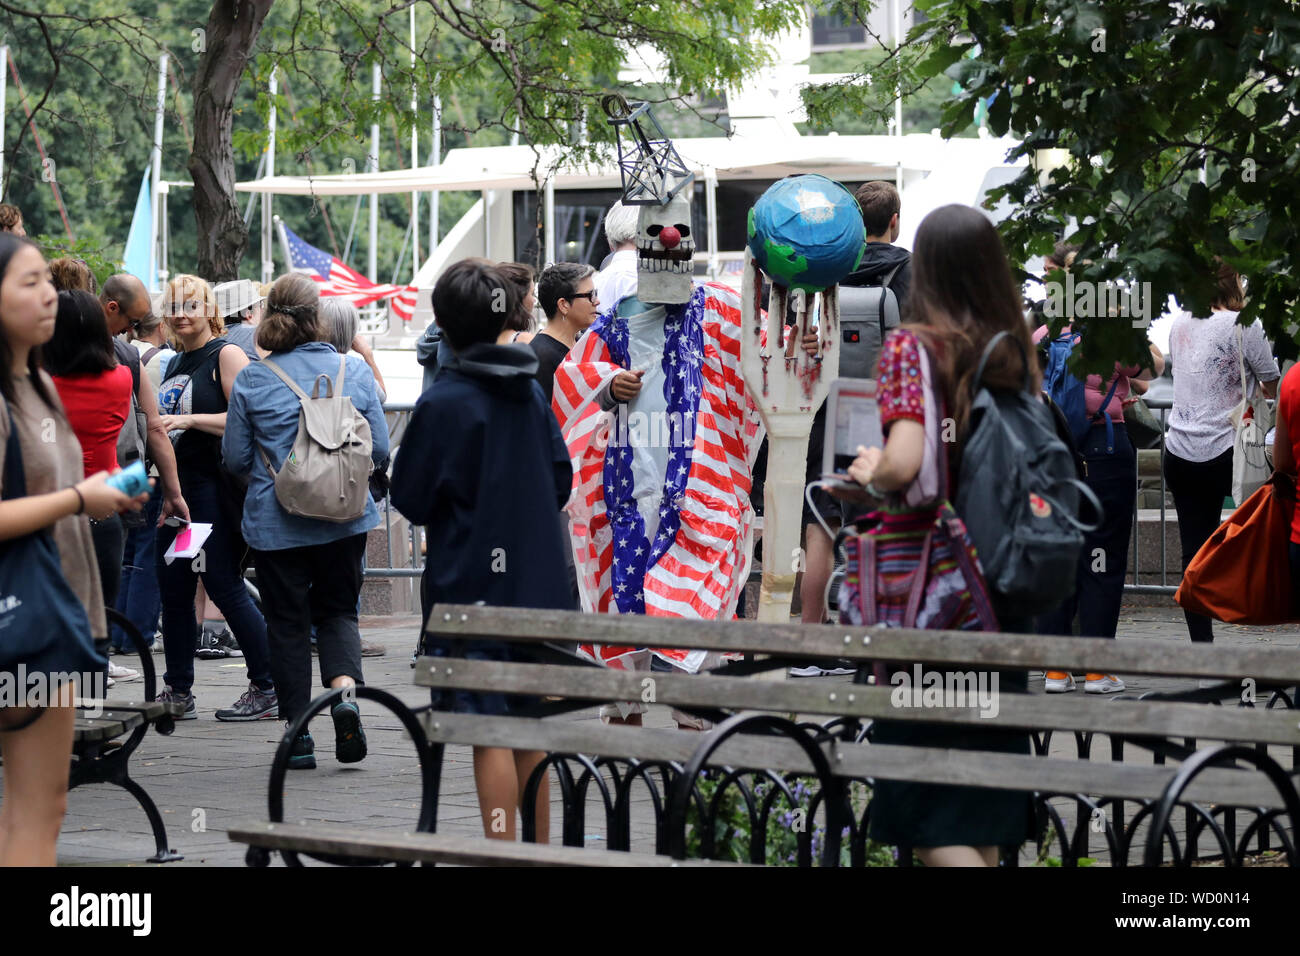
1242 788
440 848
93 729
1024 651
149 709
835 698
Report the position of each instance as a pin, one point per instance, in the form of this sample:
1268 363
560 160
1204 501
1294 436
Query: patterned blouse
900 392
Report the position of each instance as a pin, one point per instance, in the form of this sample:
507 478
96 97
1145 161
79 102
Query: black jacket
877 259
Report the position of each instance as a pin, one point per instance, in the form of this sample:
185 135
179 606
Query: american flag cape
699 561
336 277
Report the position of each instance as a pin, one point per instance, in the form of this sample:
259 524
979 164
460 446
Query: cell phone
852 419
172 521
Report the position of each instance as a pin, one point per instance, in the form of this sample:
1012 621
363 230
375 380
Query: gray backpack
1019 494
327 473
866 315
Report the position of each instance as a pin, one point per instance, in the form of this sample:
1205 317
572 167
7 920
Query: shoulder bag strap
14 481
144 359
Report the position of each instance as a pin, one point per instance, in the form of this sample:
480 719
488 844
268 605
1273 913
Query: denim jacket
263 416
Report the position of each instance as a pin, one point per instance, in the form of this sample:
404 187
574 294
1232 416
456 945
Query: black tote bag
43 624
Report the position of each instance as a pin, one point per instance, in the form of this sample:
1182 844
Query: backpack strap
988 351
884 287
1101 413
144 359
280 373
14 479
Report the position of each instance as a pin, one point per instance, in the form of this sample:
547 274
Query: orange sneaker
1058 682
1103 684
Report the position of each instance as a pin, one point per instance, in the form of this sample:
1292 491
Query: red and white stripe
702 573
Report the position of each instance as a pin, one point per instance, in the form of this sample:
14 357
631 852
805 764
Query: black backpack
867 313
1019 493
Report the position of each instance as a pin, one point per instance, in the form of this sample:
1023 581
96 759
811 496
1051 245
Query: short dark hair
1063 254
471 302
522 276
880 203
81 344
560 281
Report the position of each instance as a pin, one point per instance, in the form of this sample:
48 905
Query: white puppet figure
652 406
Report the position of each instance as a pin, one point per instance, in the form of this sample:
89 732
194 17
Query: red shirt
1288 409
97 406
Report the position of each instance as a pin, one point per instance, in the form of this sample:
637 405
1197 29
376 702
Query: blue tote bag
43 623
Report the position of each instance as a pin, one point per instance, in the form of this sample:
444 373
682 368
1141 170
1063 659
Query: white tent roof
737 157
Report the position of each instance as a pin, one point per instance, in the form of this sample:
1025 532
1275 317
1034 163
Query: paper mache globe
806 232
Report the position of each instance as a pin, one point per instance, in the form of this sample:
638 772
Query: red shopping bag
1242 574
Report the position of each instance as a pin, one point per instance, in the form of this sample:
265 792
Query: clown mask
665 251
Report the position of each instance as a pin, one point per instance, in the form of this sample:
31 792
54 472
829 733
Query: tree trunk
233 26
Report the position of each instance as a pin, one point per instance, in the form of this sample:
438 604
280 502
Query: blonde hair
184 289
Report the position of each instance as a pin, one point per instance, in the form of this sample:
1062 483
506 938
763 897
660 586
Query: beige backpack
327 473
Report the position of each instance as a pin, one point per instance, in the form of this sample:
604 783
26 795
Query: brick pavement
208 775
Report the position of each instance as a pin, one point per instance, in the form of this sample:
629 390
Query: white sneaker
812 670
110 682
1102 684
117 672
1058 682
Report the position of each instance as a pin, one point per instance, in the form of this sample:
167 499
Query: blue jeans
138 598
178 583
1103 562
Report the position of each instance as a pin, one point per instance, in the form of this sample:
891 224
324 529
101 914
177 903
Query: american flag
698 563
338 278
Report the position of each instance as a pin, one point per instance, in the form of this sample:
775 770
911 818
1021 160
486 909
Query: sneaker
254 704
116 672
217 644
158 644
370 649
169 696
1103 684
110 682
1058 682
349 738
816 670
303 754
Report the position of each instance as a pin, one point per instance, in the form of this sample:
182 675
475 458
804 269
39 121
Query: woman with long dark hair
36 736
962 295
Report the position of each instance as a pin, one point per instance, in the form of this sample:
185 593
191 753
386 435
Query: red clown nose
670 237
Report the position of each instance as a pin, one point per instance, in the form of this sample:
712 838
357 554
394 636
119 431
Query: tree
1180 131
233 26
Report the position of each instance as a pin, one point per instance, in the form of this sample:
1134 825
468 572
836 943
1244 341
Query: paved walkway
209 775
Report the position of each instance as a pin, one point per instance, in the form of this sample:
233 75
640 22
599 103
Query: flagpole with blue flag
136 258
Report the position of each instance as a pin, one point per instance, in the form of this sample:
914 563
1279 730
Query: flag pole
4 102
415 158
155 193
372 165
268 260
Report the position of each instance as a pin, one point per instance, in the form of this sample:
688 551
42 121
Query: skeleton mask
665 250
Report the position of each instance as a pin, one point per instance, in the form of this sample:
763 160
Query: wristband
81 501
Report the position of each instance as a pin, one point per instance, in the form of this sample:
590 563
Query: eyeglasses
589 296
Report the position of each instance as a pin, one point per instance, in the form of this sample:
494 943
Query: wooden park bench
99 752
760 751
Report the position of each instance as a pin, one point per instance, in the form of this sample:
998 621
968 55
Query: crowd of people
205 389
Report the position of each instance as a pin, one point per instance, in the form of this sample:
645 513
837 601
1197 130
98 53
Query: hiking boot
169 696
1103 684
254 704
117 672
217 644
349 738
1058 682
303 754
